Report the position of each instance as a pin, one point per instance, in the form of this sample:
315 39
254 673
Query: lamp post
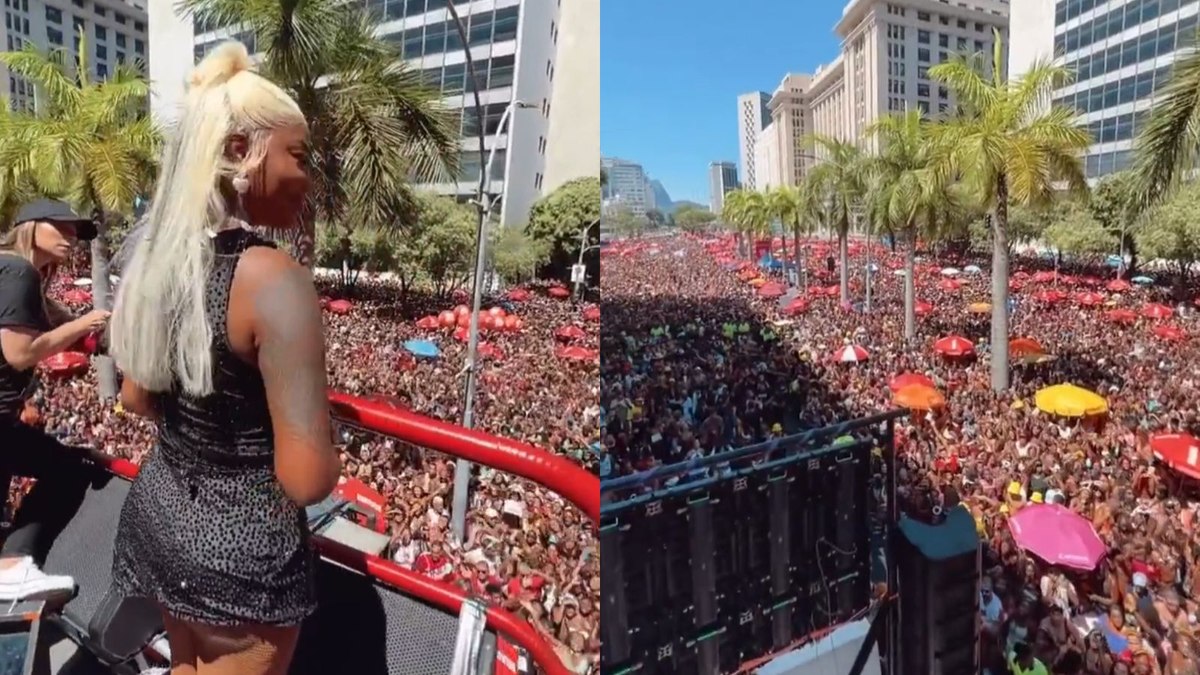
483 204
583 249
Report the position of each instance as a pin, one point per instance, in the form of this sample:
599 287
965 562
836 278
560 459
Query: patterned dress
207 530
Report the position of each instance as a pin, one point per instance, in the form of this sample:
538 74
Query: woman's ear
237 146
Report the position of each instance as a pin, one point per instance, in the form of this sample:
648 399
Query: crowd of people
697 360
526 549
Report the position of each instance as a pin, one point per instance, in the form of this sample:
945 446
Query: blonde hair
160 333
22 240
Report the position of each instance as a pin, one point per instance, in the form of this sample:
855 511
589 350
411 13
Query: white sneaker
24 581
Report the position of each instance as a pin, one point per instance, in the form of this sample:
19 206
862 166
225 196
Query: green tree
565 219
441 243
625 223
1025 224
1175 235
1008 147
1078 232
374 125
90 143
516 255
694 219
793 206
371 249
1113 206
655 218
839 186
750 215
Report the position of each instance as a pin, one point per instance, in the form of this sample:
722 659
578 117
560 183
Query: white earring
241 184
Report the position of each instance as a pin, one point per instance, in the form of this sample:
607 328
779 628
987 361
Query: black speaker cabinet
939 595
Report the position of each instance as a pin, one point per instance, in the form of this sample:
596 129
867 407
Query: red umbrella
922 308
339 306
910 379
1155 310
771 290
850 354
797 306
462 334
569 333
66 363
592 313
1170 332
1181 452
559 292
954 345
427 322
950 284
1089 299
1118 286
1044 277
1049 296
576 354
518 295
1121 316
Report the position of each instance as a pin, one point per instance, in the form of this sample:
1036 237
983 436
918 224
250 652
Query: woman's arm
137 400
288 334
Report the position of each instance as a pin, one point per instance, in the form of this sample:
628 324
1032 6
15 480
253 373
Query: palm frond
1168 144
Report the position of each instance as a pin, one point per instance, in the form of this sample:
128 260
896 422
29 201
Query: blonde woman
219 338
31 329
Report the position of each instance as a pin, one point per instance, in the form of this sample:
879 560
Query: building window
923 37
54 36
923 55
99 10
121 57
139 47
101 32
923 89
101 71
53 14
101 52
139 26
943 41
121 40
922 16
78 3
119 18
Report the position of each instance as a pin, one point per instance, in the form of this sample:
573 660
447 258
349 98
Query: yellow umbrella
979 308
1068 400
757 282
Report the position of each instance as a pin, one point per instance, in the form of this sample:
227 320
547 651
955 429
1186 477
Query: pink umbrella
1057 535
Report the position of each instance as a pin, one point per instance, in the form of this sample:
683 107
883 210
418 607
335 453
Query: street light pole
483 204
583 249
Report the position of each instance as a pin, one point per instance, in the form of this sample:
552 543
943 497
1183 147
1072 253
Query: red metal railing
556 473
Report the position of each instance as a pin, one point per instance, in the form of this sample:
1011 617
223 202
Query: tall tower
752 117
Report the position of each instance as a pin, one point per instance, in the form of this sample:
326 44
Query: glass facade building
513 47
1121 52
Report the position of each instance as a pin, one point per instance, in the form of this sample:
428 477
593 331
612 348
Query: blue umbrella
423 348
1113 261
1142 280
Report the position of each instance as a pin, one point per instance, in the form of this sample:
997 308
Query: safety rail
383 417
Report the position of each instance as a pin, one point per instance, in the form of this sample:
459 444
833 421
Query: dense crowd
696 360
526 548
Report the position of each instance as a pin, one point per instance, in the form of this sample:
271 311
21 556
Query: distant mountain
694 205
662 200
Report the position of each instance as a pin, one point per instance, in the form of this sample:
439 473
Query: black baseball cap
56 211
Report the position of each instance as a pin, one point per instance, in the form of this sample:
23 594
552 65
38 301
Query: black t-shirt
21 306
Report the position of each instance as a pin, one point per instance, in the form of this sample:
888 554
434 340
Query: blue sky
671 71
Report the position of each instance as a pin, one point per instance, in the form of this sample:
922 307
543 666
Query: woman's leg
183 649
244 650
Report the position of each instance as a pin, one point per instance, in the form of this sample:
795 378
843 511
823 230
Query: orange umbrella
1024 346
905 380
919 397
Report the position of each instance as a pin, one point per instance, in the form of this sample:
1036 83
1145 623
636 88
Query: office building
115 32
766 159
752 117
722 177
628 187
887 50
1120 53
573 144
513 44
791 116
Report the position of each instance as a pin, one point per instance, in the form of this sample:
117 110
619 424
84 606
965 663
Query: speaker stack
939 569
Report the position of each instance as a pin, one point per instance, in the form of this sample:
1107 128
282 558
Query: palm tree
1166 147
839 182
908 195
749 213
374 125
90 143
793 206
1007 145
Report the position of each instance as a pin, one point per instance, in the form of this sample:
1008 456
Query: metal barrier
759 547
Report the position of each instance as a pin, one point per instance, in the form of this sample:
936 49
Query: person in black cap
31 329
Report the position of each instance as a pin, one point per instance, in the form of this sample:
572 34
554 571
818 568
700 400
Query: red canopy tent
1121 316
558 292
576 354
592 313
1169 332
339 306
569 333
518 295
1155 310
428 323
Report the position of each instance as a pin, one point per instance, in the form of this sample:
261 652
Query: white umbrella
82 281
899 273
950 272
850 354
972 269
